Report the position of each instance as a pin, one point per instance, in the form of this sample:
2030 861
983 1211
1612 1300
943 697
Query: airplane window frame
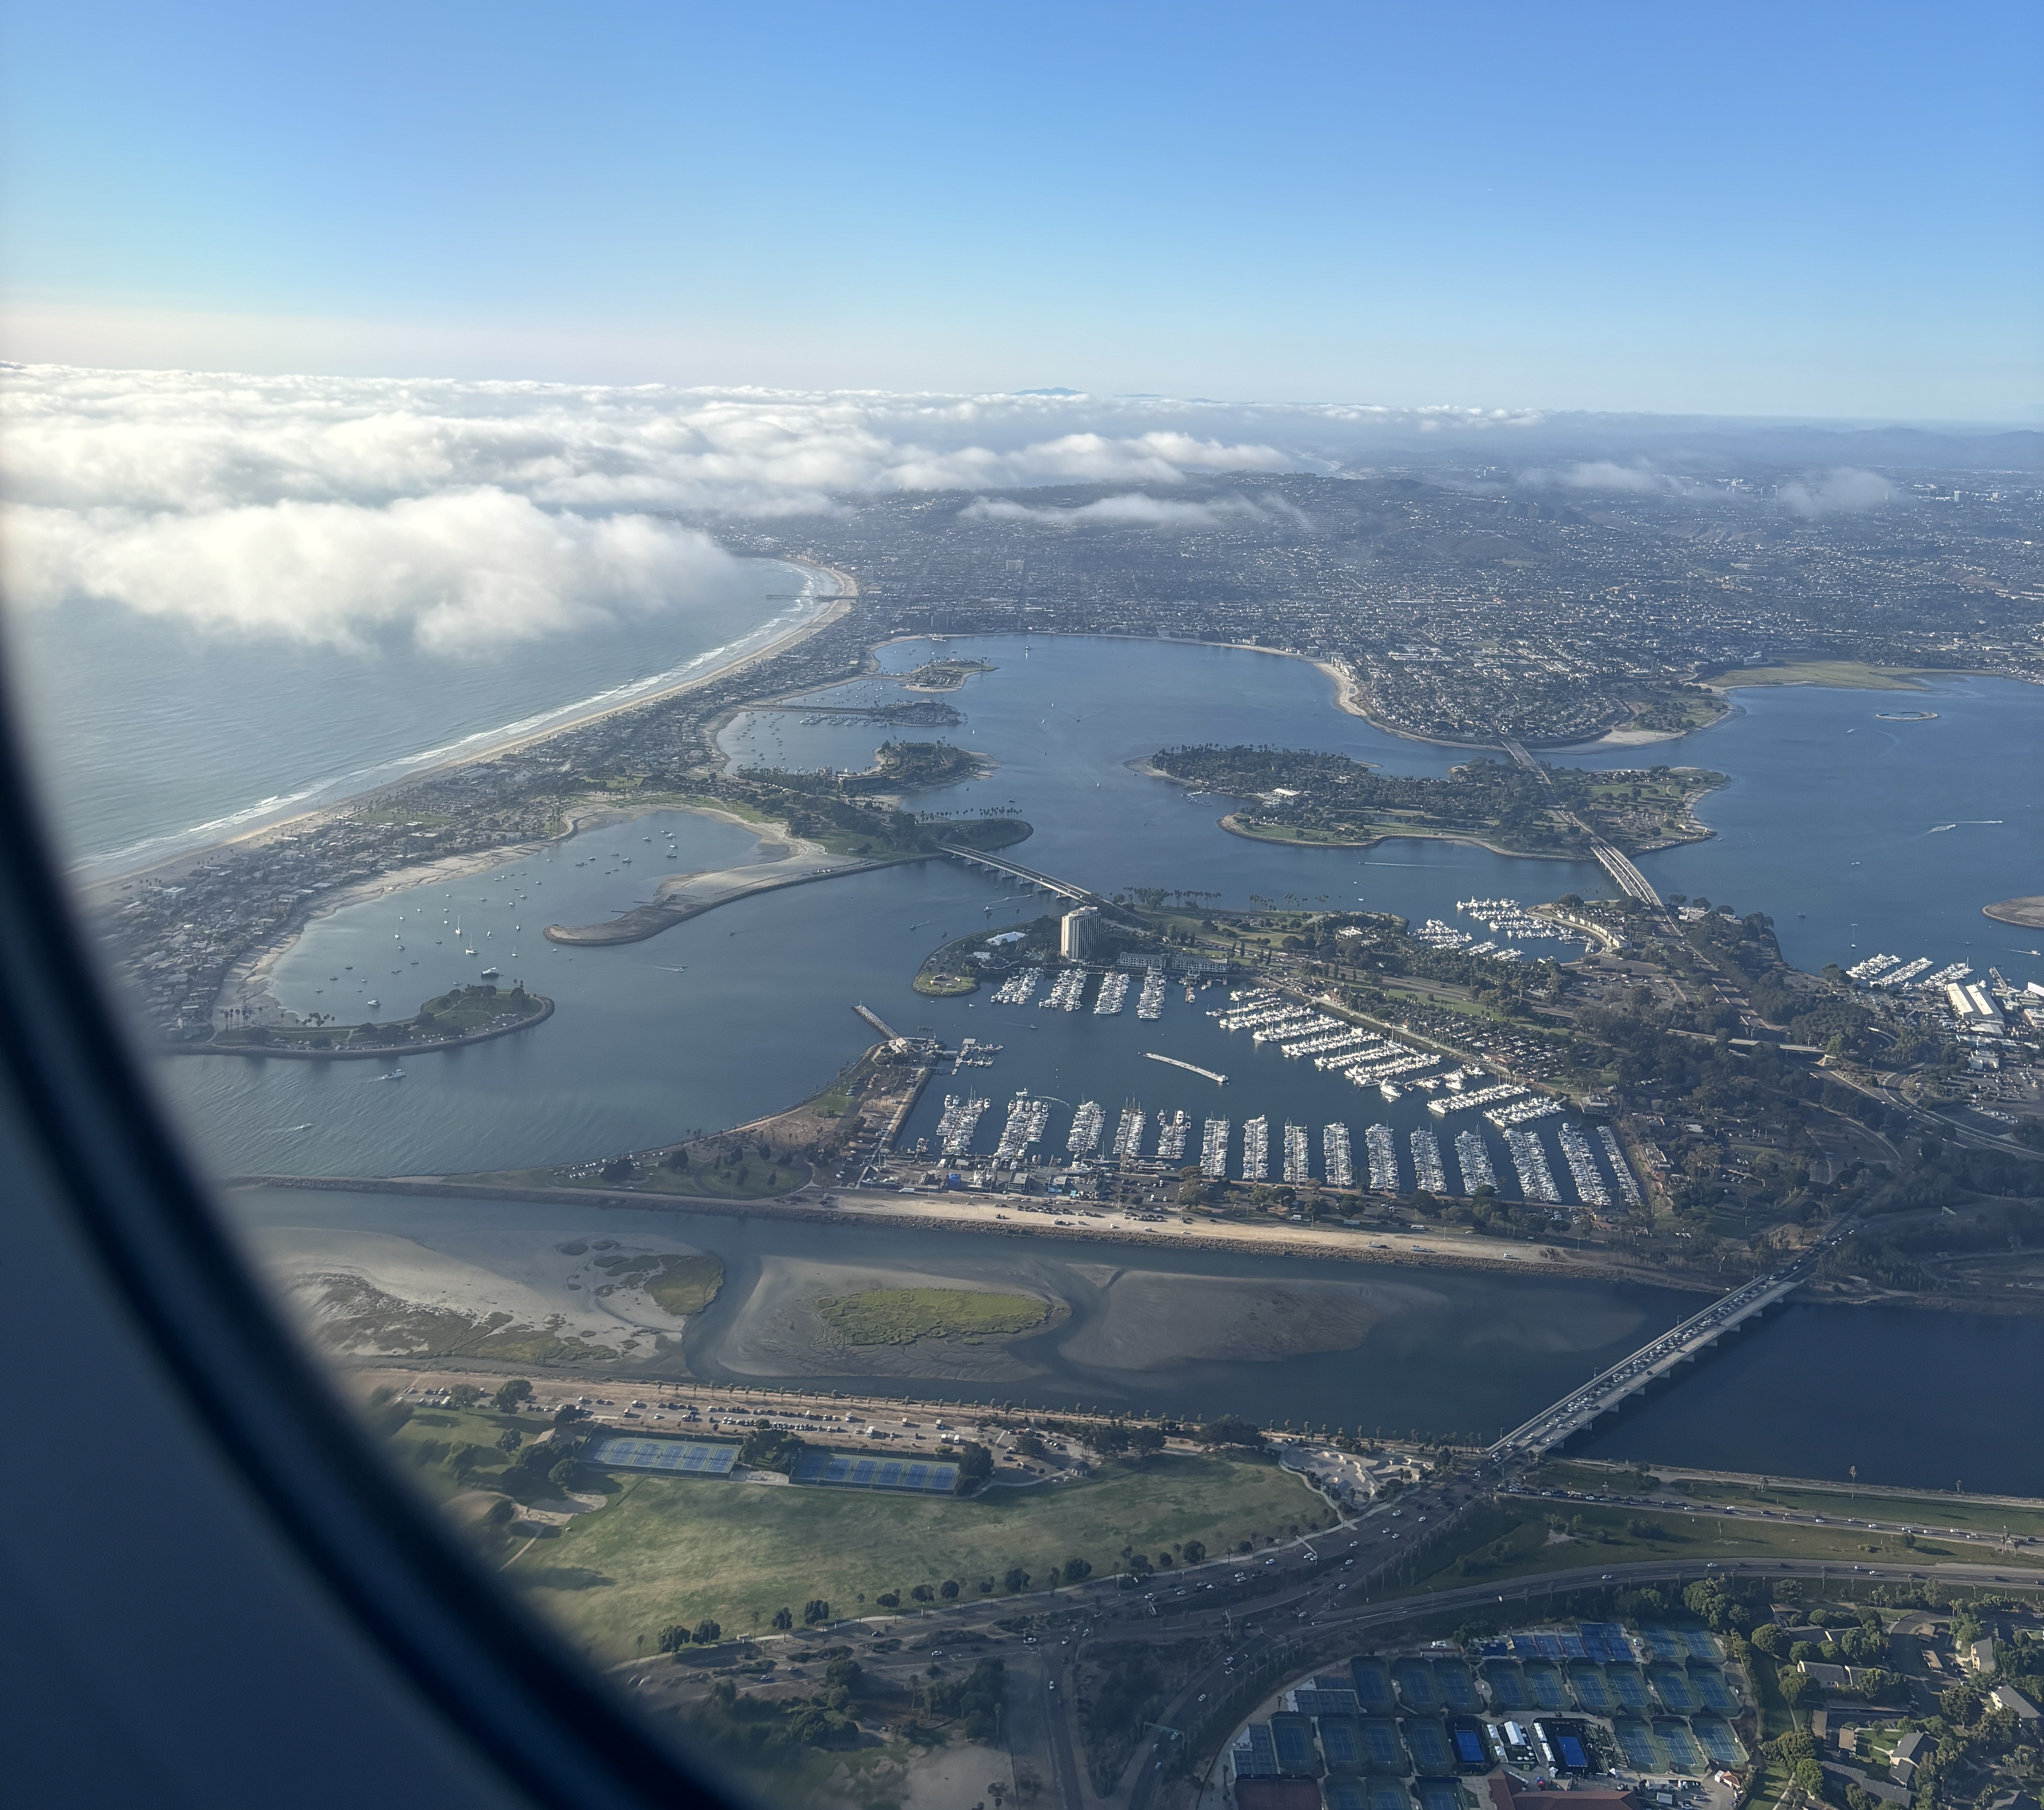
498 1681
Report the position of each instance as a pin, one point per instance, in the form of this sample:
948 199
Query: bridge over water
1015 870
1603 1393
1630 880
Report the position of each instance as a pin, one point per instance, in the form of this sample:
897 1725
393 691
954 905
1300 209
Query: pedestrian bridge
1630 1376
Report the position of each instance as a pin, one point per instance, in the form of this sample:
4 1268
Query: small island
1329 800
917 765
945 674
468 1015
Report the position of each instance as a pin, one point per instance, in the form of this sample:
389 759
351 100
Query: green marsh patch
679 1285
900 1316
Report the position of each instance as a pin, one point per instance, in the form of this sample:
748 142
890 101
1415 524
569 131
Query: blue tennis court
1587 1682
1388 1794
1255 1755
1672 1685
1642 1752
1508 1685
1297 1757
1381 1743
854 1470
1316 1699
1415 1679
1702 1644
1605 1642
1457 1688
1344 1794
1683 1753
1724 1747
1711 1686
1665 1643
1544 1680
1627 1686
1439 1794
1428 1744
1341 1741
1471 1749
684 1458
1372 1683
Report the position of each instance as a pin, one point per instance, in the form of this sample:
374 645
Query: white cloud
329 509
1133 510
1640 479
456 571
1846 490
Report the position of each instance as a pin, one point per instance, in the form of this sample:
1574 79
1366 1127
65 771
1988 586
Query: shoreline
99 892
1312 1244
1233 829
1489 1257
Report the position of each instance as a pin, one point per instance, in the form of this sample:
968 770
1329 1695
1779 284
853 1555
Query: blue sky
1829 209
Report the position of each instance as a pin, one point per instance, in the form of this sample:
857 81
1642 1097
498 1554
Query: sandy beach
101 892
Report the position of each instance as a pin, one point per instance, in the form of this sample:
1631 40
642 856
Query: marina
1256 1149
1298 1156
1336 1156
1213 1149
1428 1176
1474 1159
1172 1133
1088 1122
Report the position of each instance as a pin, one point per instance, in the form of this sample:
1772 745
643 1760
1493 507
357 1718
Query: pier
879 1023
1193 1068
1604 1394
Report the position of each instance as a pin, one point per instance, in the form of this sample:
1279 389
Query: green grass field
900 1316
1844 675
679 1549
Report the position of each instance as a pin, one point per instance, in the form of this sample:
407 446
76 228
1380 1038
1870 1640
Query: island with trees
1305 796
467 1015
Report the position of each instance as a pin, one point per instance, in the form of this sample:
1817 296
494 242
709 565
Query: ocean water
150 738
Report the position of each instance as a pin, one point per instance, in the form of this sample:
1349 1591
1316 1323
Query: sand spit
528 1294
680 896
